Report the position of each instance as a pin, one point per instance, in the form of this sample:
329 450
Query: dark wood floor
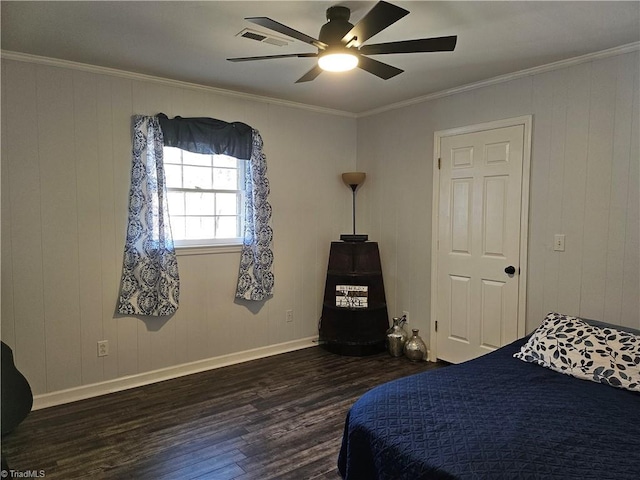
280 417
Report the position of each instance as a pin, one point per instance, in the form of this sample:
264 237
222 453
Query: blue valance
207 136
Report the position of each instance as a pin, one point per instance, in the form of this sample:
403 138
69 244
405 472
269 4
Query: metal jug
415 349
397 337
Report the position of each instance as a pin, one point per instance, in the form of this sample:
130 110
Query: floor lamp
353 180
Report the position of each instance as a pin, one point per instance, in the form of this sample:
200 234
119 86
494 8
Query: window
205 197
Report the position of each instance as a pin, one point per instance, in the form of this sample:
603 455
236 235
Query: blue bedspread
494 417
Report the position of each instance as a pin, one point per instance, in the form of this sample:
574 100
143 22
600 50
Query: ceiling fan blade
439 44
268 57
379 69
377 19
310 75
288 31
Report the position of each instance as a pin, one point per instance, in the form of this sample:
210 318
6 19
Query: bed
500 417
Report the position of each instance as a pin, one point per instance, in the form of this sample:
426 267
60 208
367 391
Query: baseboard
60 397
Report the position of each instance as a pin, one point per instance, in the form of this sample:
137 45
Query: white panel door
479 225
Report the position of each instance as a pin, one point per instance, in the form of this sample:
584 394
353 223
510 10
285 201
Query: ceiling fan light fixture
337 61
341 46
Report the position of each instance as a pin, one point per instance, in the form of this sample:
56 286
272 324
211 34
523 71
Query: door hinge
436 325
439 164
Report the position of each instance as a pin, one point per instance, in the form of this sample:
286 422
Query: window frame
210 245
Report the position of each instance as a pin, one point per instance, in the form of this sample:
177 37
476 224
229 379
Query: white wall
584 184
65 178
66 159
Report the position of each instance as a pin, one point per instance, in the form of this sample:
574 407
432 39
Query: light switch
558 243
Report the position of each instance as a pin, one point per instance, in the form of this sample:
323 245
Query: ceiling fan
340 43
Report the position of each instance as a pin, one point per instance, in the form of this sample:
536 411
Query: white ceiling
190 41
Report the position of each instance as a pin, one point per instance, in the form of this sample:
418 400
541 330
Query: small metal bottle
415 349
397 337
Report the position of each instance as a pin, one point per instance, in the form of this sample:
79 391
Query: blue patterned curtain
150 284
255 279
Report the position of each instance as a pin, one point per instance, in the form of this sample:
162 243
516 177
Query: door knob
510 270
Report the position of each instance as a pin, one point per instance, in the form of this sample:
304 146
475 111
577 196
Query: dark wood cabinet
354 311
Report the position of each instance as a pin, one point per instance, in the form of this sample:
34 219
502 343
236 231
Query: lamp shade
337 61
353 178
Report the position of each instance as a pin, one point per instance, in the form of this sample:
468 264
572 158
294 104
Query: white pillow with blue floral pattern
572 346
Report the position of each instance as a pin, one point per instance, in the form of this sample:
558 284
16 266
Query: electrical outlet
406 316
558 243
103 348
289 316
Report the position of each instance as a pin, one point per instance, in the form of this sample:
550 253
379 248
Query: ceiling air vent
262 37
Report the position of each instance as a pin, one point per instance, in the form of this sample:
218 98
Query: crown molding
54 62
85 67
589 57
